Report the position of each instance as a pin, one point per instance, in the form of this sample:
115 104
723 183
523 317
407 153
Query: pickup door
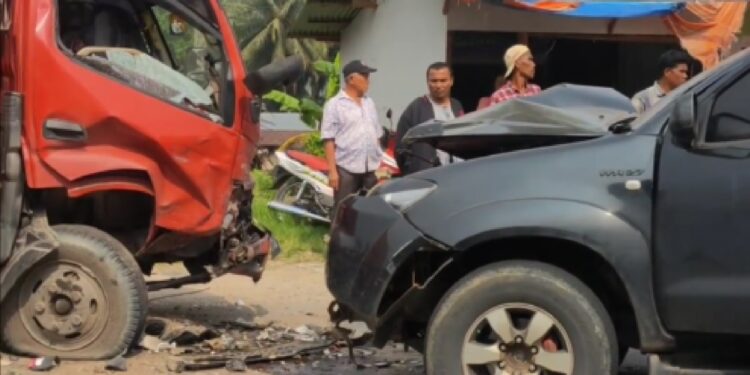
702 233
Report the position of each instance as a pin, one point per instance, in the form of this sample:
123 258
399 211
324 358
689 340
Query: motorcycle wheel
289 193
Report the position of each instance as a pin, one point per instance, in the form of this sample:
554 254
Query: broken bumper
369 242
250 260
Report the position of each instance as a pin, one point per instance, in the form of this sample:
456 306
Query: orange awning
708 29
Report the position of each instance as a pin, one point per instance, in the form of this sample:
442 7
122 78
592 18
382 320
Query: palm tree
262 30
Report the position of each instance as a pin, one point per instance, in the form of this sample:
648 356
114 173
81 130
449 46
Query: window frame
706 109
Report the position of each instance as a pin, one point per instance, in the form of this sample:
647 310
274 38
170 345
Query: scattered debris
278 353
236 365
382 364
155 327
151 343
223 343
117 364
175 365
44 363
239 344
244 324
187 334
305 334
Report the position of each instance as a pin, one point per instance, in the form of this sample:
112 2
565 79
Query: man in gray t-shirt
444 113
673 72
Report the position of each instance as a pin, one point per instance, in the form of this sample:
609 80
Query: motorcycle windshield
560 114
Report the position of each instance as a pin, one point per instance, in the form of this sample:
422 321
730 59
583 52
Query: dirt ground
289 295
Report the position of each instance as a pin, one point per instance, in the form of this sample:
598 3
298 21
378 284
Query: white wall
400 38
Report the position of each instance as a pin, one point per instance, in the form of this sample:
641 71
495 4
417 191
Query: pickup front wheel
520 317
87 300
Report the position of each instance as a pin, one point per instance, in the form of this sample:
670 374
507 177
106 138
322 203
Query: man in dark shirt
437 105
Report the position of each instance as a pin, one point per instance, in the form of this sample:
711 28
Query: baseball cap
357 66
512 55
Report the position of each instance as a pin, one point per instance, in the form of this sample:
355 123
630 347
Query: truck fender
34 243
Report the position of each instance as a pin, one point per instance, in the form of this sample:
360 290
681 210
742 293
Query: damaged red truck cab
128 132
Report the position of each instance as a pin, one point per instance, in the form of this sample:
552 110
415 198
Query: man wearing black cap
351 131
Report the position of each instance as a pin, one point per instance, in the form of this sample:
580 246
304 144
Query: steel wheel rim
517 339
63 305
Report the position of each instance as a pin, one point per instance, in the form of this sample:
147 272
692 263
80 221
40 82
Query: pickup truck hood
561 114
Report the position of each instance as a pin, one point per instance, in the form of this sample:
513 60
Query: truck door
702 218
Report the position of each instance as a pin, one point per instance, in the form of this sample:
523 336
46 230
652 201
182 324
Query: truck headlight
404 192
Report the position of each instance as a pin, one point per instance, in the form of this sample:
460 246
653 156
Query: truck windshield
150 49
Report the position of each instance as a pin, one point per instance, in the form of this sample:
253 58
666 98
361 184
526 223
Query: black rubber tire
121 281
574 305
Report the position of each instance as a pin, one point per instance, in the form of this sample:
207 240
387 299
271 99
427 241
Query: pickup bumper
370 241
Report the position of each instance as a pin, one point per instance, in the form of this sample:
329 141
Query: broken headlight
404 192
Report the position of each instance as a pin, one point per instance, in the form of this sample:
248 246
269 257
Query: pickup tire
520 317
87 300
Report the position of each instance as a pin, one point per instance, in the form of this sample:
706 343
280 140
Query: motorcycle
301 179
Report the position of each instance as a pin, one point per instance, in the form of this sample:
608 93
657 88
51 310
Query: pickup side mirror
682 120
263 80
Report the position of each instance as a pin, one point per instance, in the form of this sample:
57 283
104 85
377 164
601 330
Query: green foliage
261 28
314 145
299 239
286 102
311 112
332 71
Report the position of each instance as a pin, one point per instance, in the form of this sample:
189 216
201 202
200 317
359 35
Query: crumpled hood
561 114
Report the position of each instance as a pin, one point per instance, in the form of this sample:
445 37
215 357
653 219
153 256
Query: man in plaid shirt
520 71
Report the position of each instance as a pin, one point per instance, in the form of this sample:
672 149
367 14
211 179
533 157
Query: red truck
128 131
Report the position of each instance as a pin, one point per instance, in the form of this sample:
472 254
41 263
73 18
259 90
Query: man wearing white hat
520 71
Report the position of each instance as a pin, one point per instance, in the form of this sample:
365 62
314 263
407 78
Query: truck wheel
87 300
520 317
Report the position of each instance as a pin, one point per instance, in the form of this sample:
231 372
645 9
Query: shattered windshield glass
156 51
151 75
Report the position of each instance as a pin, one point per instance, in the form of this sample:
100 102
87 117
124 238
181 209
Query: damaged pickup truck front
574 232
128 130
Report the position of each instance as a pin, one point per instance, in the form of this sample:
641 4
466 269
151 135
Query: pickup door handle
61 130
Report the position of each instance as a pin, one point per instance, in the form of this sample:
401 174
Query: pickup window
730 115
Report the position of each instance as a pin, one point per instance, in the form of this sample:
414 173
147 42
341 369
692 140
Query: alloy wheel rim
517 339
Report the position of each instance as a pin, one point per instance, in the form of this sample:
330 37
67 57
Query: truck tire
520 317
87 300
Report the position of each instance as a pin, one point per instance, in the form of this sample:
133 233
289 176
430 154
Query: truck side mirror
266 78
682 120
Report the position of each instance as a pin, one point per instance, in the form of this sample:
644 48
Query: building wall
400 38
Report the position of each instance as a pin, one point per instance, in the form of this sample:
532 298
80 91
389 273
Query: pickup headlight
404 192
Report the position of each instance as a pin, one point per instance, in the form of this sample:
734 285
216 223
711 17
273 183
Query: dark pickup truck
569 236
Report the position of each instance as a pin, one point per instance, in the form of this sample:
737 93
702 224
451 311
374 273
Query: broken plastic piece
236 365
44 363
